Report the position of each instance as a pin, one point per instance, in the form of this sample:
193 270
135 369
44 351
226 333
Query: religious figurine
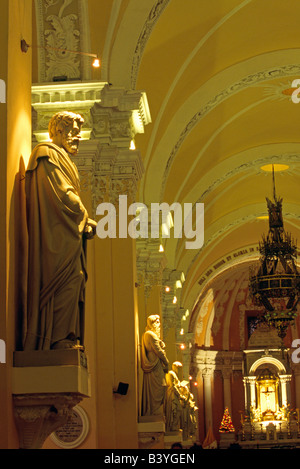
180 406
173 409
186 411
154 363
58 226
193 415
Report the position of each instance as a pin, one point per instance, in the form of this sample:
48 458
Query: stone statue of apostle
154 364
58 226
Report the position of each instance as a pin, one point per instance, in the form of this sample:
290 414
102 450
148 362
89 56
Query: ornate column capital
226 372
38 415
77 97
249 380
107 161
207 372
285 378
150 263
112 116
45 392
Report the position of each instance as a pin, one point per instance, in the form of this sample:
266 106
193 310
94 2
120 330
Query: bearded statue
58 227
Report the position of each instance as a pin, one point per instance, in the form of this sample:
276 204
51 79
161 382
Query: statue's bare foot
67 344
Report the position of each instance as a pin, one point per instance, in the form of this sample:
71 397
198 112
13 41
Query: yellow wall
3 150
15 147
116 338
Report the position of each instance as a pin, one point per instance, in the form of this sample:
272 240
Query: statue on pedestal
180 406
58 226
185 424
154 363
173 408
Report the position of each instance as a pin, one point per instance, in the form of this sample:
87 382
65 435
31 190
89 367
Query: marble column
284 379
207 374
251 380
226 373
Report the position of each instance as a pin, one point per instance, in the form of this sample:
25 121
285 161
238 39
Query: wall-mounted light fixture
95 64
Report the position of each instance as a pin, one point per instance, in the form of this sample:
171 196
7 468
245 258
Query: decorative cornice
217 360
112 115
78 97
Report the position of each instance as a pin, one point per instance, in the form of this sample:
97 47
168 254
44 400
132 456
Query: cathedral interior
190 103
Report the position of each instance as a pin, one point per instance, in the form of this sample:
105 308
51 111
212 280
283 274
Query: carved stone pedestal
226 439
46 386
38 415
151 432
173 437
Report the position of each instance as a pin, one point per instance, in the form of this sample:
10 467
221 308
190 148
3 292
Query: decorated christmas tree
226 424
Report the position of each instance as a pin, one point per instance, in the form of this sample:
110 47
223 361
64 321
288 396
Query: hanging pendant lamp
275 283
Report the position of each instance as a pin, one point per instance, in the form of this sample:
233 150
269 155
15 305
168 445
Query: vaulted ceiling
218 76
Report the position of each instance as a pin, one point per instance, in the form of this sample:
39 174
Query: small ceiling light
96 63
174 300
181 332
182 346
167 289
195 383
274 167
161 248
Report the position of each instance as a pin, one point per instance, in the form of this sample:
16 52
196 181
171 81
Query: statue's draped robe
172 405
154 362
56 219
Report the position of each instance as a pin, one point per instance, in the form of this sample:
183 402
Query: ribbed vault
218 78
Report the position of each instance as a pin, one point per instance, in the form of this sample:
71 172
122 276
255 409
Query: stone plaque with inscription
72 434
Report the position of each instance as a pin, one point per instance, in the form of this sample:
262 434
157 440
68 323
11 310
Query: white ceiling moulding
133 33
249 73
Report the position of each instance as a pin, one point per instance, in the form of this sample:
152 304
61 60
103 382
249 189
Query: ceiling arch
218 78
219 318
